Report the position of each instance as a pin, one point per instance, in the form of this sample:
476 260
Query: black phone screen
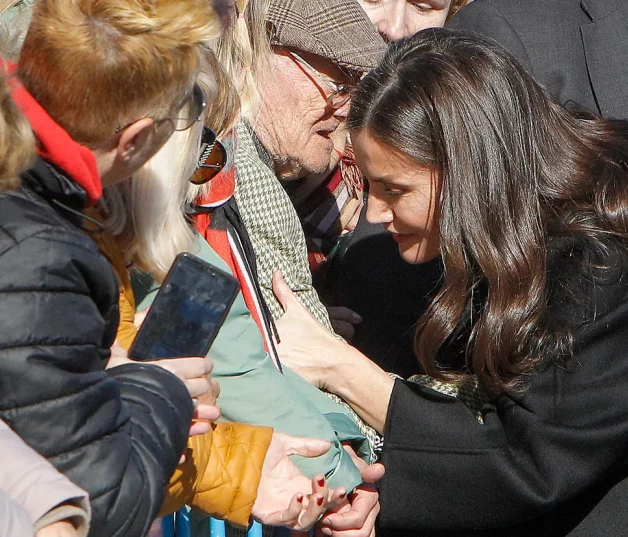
187 312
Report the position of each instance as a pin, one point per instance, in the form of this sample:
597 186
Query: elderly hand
300 333
358 518
282 484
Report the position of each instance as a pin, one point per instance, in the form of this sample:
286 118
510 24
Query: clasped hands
285 496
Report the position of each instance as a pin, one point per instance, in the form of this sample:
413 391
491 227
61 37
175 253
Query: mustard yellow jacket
223 468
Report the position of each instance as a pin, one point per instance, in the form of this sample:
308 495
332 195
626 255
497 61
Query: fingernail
319 501
300 498
343 495
326 531
321 482
357 318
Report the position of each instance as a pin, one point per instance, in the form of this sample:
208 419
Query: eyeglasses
212 159
340 93
197 105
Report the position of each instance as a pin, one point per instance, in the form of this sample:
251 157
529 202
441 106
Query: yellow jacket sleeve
223 468
221 473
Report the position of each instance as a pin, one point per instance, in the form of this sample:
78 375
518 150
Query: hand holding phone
187 312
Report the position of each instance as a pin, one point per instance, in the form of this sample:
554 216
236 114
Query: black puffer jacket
119 433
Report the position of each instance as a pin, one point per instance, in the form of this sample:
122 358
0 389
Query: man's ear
134 138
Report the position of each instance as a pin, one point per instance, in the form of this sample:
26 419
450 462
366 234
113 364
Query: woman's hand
282 484
300 334
332 364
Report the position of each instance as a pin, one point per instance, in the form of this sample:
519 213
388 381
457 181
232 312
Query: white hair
147 213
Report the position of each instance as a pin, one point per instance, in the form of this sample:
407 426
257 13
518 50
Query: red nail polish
319 501
300 498
321 482
343 495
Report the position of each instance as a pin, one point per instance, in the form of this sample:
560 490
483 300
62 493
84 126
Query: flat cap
338 30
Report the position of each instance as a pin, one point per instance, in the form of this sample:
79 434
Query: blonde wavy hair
17 142
97 64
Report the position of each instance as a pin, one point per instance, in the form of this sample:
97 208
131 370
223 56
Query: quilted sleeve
221 473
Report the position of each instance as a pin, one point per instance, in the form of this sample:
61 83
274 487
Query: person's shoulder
40 249
530 13
25 216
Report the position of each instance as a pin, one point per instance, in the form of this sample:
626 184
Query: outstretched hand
282 484
356 518
299 333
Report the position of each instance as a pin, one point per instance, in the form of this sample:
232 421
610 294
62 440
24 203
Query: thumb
372 473
305 447
282 291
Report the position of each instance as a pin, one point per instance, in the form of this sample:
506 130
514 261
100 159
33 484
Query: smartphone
187 312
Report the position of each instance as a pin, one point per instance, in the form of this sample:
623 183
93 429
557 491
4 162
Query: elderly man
320 48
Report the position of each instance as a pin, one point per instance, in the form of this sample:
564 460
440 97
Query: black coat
578 49
550 462
118 434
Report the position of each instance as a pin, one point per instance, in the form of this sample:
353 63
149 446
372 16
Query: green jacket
254 391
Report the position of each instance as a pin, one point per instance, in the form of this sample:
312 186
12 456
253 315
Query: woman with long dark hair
526 204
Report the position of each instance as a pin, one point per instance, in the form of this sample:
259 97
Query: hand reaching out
356 518
282 484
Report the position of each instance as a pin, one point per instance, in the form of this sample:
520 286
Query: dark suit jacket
578 49
551 462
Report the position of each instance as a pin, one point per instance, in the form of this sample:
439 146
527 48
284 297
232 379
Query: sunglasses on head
212 160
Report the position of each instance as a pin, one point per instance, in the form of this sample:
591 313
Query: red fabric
222 187
55 145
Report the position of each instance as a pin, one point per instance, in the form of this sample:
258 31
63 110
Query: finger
199 427
340 313
207 412
366 529
215 388
282 291
290 517
186 368
306 447
364 501
370 473
338 499
315 509
197 386
343 329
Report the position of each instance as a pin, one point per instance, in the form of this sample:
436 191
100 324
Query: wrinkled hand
358 518
282 484
62 528
299 333
343 320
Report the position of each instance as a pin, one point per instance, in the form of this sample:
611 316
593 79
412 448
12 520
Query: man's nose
395 27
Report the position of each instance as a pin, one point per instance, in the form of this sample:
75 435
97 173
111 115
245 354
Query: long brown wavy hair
518 173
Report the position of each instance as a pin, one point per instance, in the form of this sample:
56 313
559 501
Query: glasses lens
212 160
339 99
196 107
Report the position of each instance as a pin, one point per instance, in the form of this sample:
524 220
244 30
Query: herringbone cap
338 30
